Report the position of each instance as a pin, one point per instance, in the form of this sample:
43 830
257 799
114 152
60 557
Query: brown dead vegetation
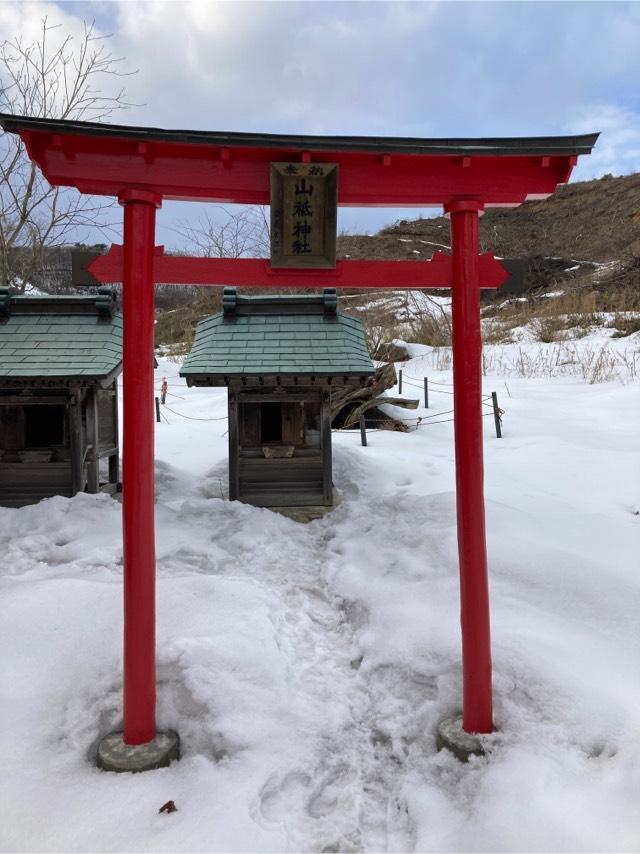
590 220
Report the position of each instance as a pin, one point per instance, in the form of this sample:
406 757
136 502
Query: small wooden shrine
280 357
59 362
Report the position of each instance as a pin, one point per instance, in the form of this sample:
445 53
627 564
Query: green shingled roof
274 343
53 344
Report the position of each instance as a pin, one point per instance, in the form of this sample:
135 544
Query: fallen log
348 404
354 415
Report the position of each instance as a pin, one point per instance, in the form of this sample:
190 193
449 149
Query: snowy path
341 793
306 666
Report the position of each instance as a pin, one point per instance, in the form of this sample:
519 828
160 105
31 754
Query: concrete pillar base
115 755
451 736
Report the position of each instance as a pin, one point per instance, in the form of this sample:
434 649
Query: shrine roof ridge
488 146
236 305
103 304
59 338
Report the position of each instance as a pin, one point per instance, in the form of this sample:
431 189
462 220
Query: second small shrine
280 357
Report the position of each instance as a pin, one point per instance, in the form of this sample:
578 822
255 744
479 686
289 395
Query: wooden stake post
363 432
497 415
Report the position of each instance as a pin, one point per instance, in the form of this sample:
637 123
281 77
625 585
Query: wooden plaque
303 214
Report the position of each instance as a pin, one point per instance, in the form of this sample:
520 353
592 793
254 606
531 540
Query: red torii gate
143 166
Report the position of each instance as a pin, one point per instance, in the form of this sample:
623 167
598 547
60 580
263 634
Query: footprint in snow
403 481
281 797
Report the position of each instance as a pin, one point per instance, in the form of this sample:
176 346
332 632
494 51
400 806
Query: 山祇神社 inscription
303 214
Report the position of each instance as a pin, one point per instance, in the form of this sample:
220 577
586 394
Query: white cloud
400 68
618 148
23 23
378 68
26 19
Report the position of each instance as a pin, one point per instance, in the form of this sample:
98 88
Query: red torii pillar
139 747
138 533
477 714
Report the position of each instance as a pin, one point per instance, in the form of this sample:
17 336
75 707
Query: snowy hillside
306 667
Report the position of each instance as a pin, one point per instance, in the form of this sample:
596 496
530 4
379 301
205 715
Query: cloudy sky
376 68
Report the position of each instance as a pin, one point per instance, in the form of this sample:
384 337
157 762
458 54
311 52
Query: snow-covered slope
307 666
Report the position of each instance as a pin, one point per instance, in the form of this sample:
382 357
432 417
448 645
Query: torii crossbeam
143 166
258 273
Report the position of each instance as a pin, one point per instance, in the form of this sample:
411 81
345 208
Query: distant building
279 357
59 362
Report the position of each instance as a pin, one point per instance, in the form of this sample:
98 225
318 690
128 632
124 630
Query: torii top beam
106 159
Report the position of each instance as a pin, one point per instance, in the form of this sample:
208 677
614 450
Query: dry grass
379 338
624 324
595 364
442 359
378 314
592 364
433 330
548 327
572 314
588 221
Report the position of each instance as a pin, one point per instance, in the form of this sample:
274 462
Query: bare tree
243 233
53 77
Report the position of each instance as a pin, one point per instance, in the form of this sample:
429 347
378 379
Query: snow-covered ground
306 667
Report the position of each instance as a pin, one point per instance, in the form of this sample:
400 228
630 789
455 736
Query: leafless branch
225 233
57 76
